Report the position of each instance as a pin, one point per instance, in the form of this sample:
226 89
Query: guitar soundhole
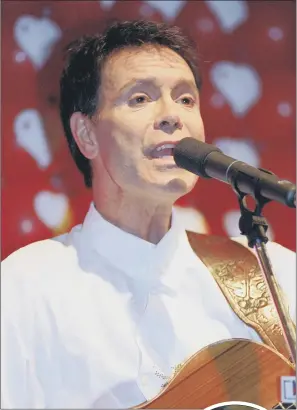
282 406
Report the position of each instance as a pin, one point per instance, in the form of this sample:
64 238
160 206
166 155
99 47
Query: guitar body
233 370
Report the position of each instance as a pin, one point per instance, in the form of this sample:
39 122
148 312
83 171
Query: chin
179 186
183 185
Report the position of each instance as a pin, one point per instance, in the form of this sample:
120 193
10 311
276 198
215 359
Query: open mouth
164 150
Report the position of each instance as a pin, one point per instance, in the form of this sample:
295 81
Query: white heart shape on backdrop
168 9
36 37
240 84
51 208
191 219
243 150
106 4
30 135
230 14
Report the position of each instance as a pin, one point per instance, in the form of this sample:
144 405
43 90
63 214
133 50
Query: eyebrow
153 80
138 81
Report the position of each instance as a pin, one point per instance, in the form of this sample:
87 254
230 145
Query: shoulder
283 262
36 274
281 257
38 259
34 252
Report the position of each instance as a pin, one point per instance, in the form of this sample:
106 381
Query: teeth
164 147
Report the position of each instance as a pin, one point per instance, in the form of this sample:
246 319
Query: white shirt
93 318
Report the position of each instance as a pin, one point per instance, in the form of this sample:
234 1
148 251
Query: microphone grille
190 154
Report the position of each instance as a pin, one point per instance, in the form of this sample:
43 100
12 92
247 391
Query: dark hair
81 77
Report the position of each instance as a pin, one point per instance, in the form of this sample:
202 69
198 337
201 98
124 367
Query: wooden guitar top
232 370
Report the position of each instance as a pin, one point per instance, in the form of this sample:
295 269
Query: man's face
147 102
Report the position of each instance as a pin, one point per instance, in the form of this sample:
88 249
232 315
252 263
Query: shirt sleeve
19 384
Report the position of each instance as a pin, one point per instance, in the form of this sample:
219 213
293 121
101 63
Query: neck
141 217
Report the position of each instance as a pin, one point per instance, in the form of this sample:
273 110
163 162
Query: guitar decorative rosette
235 405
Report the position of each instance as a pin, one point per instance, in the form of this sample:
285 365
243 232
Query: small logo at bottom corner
288 389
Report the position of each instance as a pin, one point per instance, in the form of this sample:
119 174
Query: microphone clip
252 223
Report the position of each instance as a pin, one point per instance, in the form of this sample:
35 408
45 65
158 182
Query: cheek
196 127
129 129
121 146
128 120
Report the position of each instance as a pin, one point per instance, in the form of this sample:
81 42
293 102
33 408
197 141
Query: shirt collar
135 256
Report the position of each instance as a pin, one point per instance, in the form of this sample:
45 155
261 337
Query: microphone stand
254 226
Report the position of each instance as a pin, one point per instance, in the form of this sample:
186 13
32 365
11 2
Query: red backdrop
247 51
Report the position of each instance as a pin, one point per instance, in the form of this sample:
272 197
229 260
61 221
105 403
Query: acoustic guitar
232 370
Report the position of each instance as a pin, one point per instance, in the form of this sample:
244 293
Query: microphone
208 161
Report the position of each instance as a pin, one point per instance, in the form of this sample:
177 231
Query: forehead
129 64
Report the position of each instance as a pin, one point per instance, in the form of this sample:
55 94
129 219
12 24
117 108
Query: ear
84 135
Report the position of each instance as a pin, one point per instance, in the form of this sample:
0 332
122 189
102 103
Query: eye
139 99
186 100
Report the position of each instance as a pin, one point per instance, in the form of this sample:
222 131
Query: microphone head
190 154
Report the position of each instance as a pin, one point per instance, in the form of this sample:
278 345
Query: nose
168 124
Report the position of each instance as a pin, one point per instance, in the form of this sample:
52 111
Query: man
101 316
